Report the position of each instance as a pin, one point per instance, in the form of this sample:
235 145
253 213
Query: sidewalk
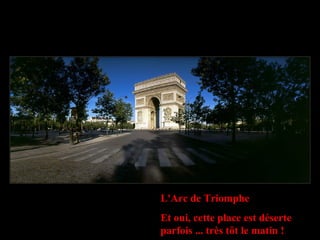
64 140
223 138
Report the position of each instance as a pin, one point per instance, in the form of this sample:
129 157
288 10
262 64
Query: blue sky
124 72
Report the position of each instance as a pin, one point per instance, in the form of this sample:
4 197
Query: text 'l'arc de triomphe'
158 100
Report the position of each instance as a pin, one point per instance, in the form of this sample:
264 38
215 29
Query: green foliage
265 95
37 85
105 106
122 111
297 83
198 112
45 87
85 80
226 78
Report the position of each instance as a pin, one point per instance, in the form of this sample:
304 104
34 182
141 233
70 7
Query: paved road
138 156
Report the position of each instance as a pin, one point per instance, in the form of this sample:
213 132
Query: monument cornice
160 77
160 88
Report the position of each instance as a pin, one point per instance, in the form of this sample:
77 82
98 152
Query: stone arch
157 100
154 105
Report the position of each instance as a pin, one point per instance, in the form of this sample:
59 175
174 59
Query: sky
124 72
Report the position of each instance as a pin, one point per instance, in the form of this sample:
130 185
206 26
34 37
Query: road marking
105 157
88 156
127 153
163 159
77 154
184 158
201 156
142 161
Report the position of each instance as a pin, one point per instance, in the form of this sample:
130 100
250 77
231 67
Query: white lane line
105 157
142 161
202 156
89 155
77 154
163 158
184 158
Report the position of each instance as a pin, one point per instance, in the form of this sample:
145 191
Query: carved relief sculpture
167 114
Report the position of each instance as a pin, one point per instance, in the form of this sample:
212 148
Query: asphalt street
137 156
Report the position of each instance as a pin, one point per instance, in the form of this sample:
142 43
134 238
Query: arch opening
154 113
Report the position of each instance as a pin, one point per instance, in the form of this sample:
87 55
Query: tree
105 106
122 112
37 85
297 85
209 115
180 117
258 101
221 115
282 95
23 121
225 77
196 108
187 116
85 80
198 111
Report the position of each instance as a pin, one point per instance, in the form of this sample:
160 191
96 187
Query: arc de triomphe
157 100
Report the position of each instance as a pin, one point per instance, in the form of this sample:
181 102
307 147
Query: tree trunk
46 129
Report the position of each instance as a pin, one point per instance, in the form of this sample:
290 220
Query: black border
133 209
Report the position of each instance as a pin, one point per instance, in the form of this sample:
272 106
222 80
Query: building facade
158 101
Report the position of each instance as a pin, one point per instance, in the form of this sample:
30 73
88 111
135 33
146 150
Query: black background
134 210
122 211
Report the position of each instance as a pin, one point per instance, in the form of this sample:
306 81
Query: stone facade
158 100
